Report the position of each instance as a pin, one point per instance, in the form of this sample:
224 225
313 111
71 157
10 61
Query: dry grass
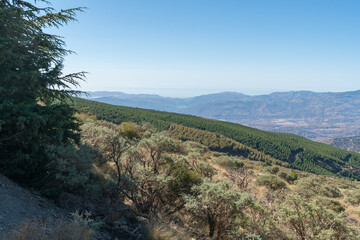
35 230
166 230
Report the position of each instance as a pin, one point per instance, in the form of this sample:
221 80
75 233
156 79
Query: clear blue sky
192 47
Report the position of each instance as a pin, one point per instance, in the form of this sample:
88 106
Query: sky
183 48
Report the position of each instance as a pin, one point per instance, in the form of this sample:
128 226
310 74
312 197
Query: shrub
313 186
293 175
288 178
353 197
283 175
218 205
351 201
241 177
271 182
72 166
330 204
130 130
229 162
205 169
304 219
183 179
274 170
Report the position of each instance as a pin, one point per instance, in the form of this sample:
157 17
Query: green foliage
130 130
280 148
306 219
31 73
331 204
28 130
290 178
218 205
353 197
271 182
73 169
274 170
229 162
294 175
312 186
155 149
183 179
205 169
217 142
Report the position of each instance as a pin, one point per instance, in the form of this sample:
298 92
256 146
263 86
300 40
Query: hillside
184 191
312 115
140 183
347 143
294 151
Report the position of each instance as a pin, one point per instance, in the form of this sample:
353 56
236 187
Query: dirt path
18 204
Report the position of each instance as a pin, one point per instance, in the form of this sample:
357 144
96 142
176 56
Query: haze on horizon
189 48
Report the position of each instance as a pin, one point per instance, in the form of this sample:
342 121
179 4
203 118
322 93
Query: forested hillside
317 116
296 152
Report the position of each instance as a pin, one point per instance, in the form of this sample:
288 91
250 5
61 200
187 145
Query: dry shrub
167 230
30 230
77 229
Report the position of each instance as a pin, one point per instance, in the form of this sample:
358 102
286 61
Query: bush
183 179
288 178
283 175
304 219
205 169
229 162
331 204
218 205
72 167
274 170
353 197
130 130
271 182
313 186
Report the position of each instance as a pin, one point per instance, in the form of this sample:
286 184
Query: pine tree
31 63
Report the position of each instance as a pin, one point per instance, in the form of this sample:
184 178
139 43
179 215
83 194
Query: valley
317 116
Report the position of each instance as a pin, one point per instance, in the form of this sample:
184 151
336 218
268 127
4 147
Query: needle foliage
33 113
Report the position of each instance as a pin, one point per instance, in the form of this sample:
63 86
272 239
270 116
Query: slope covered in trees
297 152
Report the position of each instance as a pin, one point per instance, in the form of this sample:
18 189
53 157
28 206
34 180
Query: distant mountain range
318 116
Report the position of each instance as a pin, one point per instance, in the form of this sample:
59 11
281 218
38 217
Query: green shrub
183 179
72 167
288 178
314 186
305 219
275 170
229 162
218 205
331 204
205 169
353 197
130 130
271 182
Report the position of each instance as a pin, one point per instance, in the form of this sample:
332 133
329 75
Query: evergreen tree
33 90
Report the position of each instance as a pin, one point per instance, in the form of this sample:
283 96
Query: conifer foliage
33 113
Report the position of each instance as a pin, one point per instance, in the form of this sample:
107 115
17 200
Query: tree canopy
33 113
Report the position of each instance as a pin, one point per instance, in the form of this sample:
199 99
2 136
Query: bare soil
18 205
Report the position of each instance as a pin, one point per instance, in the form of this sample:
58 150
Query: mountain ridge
317 116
